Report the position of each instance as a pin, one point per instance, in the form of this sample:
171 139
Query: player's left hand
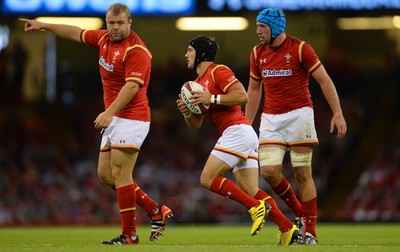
339 122
199 97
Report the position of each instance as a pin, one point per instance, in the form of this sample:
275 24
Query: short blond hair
117 8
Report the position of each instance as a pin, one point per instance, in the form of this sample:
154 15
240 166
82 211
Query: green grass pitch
332 237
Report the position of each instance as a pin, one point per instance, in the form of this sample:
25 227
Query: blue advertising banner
183 7
252 5
97 7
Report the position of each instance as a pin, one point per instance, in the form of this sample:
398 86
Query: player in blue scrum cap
280 68
275 19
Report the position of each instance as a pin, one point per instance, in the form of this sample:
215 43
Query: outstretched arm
63 31
331 96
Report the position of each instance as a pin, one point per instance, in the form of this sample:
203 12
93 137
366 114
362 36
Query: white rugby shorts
124 134
238 147
290 129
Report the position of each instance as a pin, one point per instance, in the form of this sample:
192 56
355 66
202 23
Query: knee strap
271 155
301 159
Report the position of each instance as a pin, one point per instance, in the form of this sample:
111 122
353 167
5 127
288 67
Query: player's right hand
339 122
31 25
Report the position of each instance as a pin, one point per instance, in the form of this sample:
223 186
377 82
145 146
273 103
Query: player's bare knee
205 181
106 180
105 177
204 184
303 174
271 174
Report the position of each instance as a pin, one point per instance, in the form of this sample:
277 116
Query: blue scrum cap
275 19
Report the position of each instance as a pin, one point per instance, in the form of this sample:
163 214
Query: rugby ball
186 90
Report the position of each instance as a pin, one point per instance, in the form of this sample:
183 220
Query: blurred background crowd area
49 149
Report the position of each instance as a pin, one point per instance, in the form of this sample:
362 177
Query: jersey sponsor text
276 72
105 65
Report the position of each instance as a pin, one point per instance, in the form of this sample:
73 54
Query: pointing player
125 65
236 148
282 65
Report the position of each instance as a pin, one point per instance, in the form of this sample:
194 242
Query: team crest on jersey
116 54
287 57
206 83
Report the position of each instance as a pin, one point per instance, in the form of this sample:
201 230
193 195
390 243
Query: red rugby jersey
128 60
284 72
218 79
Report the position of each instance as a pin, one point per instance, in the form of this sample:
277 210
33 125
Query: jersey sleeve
254 72
310 58
224 77
137 64
92 37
